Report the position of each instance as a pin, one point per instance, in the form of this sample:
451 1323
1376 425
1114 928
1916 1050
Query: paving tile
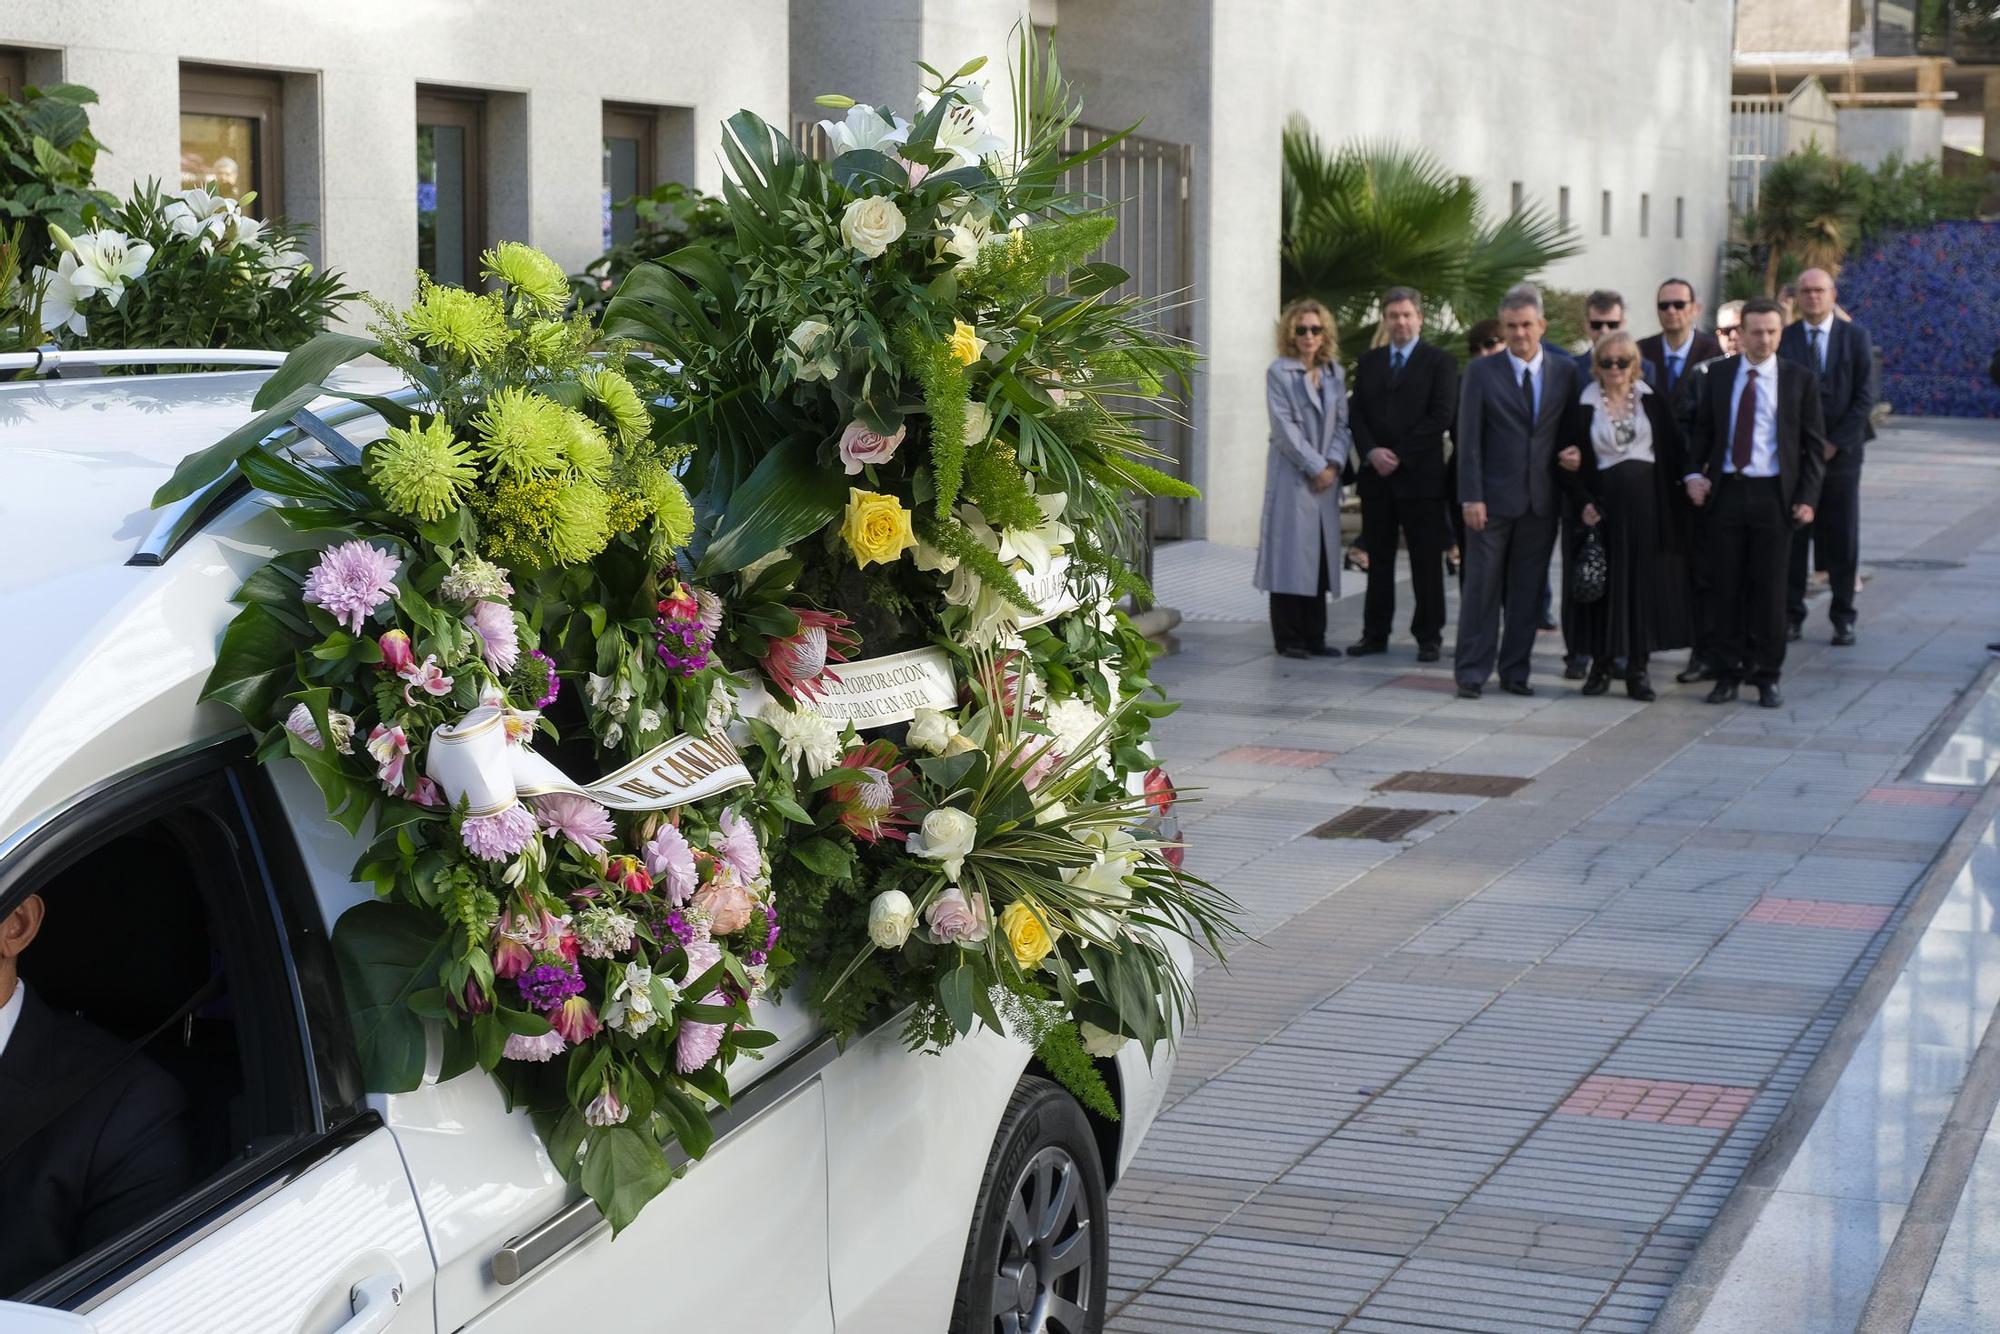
1818 913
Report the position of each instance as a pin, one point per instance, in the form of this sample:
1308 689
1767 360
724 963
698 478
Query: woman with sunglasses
1298 548
1622 457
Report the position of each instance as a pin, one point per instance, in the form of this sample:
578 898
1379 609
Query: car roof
102 661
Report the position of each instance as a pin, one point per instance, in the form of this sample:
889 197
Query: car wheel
1039 1251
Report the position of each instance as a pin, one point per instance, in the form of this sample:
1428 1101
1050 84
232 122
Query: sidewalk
1502 1070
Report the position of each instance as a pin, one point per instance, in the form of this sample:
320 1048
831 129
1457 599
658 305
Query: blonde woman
1298 548
1621 455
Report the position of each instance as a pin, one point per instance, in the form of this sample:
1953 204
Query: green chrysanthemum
523 434
424 472
533 277
615 394
584 446
457 321
581 523
673 513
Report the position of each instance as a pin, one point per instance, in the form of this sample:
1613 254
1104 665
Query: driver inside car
93 1138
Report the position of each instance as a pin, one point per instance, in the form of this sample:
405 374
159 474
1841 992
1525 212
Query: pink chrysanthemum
697 1044
351 581
797 663
736 845
670 861
501 835
499 643
543 1048
578 819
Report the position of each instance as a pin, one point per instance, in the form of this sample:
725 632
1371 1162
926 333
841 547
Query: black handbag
1590 574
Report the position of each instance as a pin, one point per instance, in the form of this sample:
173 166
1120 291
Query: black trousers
1749 539
1836 532
1298 621
1698 589
1421 521
1576 652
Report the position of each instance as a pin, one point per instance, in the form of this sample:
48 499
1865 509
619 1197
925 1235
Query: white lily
1040 545
106 261
865 127
198 212
60 298
966 133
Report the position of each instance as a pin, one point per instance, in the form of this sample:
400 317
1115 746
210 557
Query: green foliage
1809 208
1021 266
1903 195
20 320
667 218
946 393
47 156
995 483
955 539
1061 1052
1376 215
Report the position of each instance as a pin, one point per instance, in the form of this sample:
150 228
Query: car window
160 1065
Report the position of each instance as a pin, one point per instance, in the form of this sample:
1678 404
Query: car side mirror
16 1318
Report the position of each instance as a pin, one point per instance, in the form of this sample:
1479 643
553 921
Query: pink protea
499 642
397 656
697 1044
501 835
539 1049
670 861
878 804
351 581
578 819
798 662
575 1020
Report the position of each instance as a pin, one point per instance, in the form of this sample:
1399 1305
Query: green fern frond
1021 267
995 482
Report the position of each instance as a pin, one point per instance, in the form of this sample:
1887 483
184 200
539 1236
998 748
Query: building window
451 185
1518 196
1680 217
1604 213
1562 206
1645 215
231 134
631 167
13 73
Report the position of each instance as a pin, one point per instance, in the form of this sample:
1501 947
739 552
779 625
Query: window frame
1604 213
465 109
296 988
255 95
629 121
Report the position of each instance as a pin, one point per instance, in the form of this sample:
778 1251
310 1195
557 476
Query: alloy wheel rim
1043 1281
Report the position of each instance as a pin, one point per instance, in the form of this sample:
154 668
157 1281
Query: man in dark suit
1680 345
92 1137
1509 409
1838 352
1405 395
1687 401
1755 464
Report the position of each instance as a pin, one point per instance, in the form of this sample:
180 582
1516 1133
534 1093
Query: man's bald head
1816 294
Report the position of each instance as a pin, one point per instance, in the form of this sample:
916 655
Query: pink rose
952 918
860 446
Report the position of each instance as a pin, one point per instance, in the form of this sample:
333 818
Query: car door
293 1213
739 1243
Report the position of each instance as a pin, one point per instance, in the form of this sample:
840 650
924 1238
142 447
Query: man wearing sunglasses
1680 345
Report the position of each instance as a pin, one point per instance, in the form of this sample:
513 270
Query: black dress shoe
1469 692
1361 648
1517 687
1843 636
1724 693
1574 671
1294 651
1795 632
1427 653
1640 688
1597 682
1696 670
1325 651
1769 698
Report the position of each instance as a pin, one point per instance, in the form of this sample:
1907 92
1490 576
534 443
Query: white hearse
189 896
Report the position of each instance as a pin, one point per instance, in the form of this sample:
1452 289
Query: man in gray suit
1508 413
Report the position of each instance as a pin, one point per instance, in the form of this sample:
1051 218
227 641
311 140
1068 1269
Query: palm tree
1377 215
1809 208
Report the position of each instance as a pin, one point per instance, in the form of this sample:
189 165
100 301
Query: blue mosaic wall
1931 301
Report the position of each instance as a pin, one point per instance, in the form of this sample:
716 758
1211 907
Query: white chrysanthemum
1072 722
805 738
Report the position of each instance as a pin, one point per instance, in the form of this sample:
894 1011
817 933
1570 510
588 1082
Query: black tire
1045 1159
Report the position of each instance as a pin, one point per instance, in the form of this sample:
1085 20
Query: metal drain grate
1383 824
1917 563
1452 785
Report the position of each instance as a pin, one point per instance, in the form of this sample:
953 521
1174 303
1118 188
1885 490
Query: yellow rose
877 527
1026 934
965 344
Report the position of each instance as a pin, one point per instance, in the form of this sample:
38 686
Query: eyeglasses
1730 329
1673 305
1490 344
1604 326
1301 330
1614 363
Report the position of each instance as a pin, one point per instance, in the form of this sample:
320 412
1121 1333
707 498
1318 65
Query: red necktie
1746 424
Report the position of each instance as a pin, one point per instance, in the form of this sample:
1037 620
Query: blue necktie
1812 341
1673 371
1396 362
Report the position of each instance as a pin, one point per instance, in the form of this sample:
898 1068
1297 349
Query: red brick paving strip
1919 796
1660 1101
1819 912
1278 755
1444 685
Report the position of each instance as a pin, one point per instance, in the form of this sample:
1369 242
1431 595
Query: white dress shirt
1825 341
1764 430
1604 436
10 1013
1534 368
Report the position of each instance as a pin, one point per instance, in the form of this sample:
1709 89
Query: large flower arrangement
830 576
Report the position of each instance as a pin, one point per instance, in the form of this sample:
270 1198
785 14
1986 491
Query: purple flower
578 819
351 581
545 664
493 622
670 861
737 846
548 985
697 1044
501 835
676 925
541 1048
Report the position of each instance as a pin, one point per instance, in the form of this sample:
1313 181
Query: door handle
374 1300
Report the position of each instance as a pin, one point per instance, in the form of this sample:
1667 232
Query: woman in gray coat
1299 545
